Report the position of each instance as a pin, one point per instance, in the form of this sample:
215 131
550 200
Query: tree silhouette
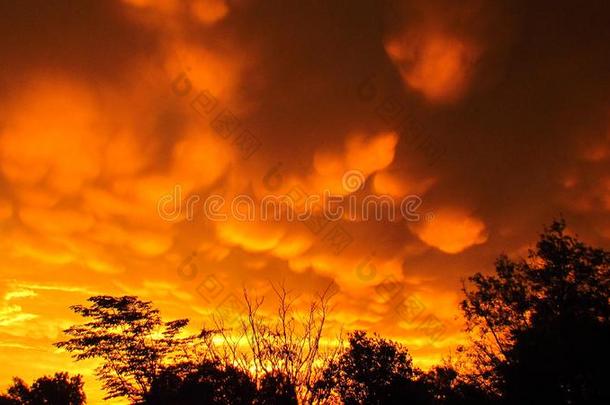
372 371
132 341
61 389
541 326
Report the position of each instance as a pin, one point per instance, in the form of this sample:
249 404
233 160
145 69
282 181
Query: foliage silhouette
61 389
541 326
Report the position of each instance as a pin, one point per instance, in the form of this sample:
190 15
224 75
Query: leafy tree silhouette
132 341
541 326
61 389
373 371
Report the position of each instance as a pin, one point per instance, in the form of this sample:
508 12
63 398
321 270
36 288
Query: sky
120 118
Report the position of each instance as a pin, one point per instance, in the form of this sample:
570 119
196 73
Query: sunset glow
107 108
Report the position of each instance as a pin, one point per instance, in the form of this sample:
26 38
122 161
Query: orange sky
496 114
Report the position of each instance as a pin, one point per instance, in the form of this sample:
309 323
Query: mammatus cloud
435 64
437 47
451 231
